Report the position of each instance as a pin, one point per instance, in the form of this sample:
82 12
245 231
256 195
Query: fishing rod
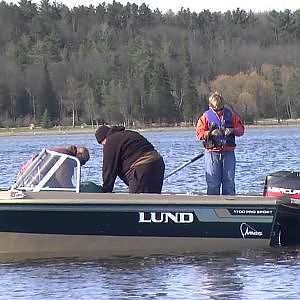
185 164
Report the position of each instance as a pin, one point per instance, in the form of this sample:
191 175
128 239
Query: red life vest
26 165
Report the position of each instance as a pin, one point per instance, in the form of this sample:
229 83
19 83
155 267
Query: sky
194 5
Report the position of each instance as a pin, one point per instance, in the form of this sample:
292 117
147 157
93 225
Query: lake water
251 274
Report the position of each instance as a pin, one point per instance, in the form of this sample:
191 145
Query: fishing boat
41 219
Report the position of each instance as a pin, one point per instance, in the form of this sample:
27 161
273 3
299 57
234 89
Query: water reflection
255 274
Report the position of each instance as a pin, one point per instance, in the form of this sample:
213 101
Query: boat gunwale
61 198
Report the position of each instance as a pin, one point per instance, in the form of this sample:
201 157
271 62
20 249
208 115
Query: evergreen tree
45 120
23 105
162 103
5 104
139 72
190 101
114 103
47 99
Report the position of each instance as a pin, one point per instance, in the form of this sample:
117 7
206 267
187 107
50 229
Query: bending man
132 157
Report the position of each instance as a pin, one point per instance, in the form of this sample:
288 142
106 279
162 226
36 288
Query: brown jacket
122 149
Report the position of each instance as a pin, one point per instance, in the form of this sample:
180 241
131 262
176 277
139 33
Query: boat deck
121 198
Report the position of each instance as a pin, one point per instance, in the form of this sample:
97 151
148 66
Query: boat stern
287 218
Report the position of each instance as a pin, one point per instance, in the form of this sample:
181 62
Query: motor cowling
282 184
285 186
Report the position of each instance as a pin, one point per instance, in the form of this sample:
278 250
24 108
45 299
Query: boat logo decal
166 217
283 191
248 231
252 212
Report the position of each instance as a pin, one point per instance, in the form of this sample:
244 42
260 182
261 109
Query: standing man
132 157
217 128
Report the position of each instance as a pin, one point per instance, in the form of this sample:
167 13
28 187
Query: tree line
131 65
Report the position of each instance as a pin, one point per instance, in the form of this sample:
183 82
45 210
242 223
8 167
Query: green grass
43 131
72 130
91 130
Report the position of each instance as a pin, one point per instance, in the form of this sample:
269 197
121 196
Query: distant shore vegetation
116 64
88 129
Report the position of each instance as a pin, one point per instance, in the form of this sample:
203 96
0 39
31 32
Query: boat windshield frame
44 155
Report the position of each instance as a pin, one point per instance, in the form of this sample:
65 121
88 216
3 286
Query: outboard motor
285 186
282 183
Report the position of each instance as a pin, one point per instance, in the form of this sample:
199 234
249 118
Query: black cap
101 133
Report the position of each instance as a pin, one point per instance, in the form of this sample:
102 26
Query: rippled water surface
252 274
259 152
272 274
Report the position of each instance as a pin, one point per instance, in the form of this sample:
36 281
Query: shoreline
26 131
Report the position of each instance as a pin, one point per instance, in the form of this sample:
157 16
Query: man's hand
217 132
229 131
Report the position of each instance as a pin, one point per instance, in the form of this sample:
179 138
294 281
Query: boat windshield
50 170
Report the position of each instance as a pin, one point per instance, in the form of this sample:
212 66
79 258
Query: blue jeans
220 170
